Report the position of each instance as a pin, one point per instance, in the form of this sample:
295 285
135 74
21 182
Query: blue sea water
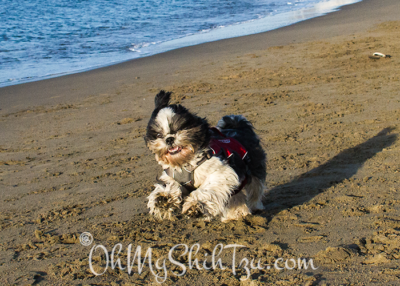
47 38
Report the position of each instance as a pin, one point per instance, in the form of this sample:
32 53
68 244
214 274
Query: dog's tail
238 122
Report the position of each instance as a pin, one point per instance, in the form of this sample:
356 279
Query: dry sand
73 160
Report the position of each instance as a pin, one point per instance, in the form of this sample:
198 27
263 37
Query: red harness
227 144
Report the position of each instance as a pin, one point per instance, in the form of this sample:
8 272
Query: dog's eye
159 135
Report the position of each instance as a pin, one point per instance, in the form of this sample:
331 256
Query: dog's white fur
164 117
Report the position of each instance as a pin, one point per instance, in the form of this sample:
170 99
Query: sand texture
327 115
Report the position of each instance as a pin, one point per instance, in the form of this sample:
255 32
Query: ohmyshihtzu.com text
159 268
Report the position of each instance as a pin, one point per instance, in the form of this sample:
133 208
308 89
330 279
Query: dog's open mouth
174 150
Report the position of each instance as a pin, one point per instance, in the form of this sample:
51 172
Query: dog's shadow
342 166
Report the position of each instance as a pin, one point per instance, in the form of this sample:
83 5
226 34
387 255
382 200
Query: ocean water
48 38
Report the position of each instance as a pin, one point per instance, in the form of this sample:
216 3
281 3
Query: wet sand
73 159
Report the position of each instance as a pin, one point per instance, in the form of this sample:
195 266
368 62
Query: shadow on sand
342 166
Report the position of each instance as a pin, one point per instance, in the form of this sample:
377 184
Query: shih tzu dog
207 171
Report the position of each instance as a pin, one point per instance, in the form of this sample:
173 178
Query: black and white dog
207 171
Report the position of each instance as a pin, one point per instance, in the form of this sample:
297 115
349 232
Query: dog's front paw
164 202
196 209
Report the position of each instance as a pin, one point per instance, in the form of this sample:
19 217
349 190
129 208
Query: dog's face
174 134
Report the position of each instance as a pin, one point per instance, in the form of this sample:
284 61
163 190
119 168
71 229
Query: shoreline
326 26
253 26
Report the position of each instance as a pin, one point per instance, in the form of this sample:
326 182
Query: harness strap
244 182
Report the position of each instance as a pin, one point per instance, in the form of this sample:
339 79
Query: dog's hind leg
236 208
255 192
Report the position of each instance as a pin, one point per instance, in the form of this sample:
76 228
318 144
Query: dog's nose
170 140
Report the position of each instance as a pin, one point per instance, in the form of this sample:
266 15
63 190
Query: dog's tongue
174 149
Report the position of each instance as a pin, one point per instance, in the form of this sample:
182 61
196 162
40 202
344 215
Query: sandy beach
73 160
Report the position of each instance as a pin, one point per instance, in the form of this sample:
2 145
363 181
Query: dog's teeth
174 149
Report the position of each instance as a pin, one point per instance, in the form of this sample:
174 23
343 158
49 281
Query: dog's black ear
162 99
